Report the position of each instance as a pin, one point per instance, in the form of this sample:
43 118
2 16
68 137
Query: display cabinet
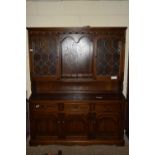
77 82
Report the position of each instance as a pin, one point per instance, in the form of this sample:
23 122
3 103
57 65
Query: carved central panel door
77 56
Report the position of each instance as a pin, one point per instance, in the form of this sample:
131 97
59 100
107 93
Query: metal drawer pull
37 106
31 49
99 97
113 77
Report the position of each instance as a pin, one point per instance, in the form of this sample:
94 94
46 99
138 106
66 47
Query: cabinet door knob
37 105
31 50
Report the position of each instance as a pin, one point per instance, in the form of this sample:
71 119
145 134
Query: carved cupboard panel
46 126
107 126
77 60
76 125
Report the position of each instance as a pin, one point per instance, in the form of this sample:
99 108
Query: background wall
77 14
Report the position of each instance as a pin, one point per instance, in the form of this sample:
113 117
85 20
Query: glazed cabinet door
109 53
43 54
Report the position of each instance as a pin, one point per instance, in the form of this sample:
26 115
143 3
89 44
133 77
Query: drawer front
76 107
45 107
108 107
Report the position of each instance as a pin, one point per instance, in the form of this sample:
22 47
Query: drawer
108 107
45 107
76 107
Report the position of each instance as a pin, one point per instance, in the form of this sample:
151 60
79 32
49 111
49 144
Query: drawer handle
99 97
37 106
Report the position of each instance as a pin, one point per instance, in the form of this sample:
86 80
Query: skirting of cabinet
77 142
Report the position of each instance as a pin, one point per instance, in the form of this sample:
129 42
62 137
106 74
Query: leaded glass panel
108 57
44 55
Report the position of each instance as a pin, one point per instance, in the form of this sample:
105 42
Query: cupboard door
108 57
43 54
45 126
77 56
76 126
108 126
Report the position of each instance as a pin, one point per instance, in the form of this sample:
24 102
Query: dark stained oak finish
76 81
76 56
